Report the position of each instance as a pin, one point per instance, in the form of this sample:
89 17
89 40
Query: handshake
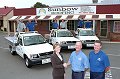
65 65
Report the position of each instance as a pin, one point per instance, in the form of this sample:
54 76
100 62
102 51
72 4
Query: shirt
80 23
78 61
63 24
59 57
31 26
20 27
88 24
98 61
55 25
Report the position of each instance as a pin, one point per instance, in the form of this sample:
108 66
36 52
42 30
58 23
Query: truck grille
46 53
71 41
90 41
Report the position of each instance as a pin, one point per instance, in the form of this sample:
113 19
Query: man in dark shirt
31 25
80 23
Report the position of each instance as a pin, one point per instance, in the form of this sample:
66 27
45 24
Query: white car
87 36
32 47
64 37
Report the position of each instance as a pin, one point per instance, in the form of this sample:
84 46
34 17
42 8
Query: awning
70 17
13 18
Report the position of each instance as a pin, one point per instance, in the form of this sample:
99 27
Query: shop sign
66 10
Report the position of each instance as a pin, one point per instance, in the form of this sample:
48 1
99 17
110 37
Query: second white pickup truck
64 37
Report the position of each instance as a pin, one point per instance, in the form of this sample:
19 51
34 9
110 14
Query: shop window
70 25
1 23
116 28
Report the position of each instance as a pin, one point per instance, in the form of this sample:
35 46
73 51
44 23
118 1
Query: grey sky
29 3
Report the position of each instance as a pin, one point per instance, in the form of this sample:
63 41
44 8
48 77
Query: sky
29 3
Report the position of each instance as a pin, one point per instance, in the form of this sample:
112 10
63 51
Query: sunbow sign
66 10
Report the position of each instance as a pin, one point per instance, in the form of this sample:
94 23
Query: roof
4 11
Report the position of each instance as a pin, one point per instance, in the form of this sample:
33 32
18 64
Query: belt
77 71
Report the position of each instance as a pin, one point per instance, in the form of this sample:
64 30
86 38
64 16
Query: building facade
105 18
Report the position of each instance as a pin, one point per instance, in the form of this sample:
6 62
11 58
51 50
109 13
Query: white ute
32 47
64 37
87 36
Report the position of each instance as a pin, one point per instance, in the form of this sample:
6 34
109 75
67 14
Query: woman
58 63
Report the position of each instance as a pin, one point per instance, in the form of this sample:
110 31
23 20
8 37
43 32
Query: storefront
105 18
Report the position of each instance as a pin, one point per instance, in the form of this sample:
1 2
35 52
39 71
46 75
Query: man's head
55 20
62 20
29 20
97 45
21 20
78 46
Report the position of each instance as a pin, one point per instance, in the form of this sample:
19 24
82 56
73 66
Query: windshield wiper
33 43
42 42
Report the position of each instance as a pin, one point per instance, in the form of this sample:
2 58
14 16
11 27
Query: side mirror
47 40
16 44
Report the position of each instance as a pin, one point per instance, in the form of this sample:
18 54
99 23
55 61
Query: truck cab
86 36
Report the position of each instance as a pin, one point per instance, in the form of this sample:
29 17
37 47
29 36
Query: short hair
55 45
79 41
98 41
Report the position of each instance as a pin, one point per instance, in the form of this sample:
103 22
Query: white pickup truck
32 47
87 36
64 37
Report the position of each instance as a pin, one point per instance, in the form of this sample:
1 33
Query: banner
66 10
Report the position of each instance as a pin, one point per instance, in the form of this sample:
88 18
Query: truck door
19 47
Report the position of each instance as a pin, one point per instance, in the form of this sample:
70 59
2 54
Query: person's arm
69 61
86 63
66 21
36 21
60 25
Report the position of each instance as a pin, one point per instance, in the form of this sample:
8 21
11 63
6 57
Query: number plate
71 47
90 45
46 61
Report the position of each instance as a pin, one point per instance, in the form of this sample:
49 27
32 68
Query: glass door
103 29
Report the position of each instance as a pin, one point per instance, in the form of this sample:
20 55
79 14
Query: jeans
97 75
78 75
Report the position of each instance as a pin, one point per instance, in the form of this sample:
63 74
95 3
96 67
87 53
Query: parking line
115 68
109 42
3 48
113 55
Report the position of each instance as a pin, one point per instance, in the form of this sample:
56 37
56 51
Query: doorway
103 28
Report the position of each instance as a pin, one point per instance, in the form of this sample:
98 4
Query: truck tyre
11 50
28 63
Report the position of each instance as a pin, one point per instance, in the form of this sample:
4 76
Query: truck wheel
11 50
27 63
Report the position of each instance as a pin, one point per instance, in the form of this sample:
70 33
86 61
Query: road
13 67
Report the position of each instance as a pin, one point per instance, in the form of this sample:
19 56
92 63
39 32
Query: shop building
105 18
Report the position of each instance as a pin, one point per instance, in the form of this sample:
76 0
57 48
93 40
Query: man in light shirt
63 24
21 26
79 62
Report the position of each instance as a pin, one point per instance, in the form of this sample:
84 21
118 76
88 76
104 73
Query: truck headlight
32 56
83 41
62 42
